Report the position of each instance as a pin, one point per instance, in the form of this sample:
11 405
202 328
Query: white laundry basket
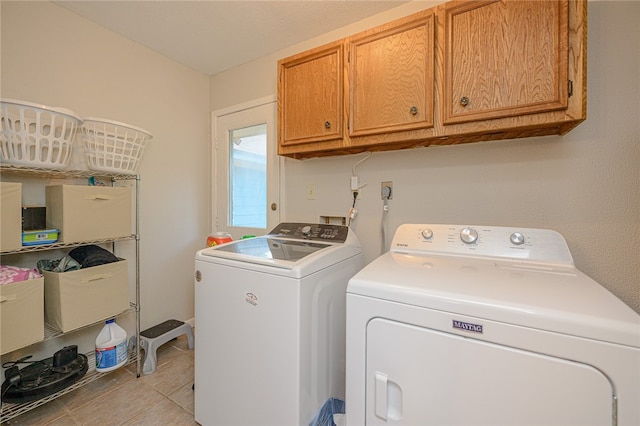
36 135
112 146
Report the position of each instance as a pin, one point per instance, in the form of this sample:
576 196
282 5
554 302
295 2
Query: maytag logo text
467 326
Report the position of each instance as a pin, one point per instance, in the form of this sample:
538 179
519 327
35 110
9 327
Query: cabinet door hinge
570 88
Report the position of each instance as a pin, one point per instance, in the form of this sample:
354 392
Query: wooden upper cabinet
504 58
391 77
463 71
310 96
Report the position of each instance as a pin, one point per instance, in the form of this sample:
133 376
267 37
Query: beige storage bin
77 298
88 213
10 216
21 314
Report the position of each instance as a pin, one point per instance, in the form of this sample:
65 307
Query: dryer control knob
517 238
427 234
306 230
469 235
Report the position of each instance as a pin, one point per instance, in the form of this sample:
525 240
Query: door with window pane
246 173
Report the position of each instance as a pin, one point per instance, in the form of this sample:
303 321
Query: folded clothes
92 255
65 264
13 274
78 258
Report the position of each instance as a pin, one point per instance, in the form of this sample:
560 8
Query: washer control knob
306 230
469 235
427 234
517 238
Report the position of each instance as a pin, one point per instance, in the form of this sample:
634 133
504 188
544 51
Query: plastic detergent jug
111 347
218 238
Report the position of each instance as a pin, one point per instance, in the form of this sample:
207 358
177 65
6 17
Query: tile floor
164 397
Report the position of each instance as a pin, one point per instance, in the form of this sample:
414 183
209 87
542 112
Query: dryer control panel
311 231
536 245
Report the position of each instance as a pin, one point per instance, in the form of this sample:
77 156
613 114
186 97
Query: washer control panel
311 231
542 245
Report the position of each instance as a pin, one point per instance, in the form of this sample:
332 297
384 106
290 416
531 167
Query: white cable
355 188
383 225
353 169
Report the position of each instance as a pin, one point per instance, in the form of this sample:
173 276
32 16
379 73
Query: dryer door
427 377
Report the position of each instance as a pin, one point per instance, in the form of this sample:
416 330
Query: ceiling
212 36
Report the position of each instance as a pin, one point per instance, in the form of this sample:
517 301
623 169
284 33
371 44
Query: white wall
584 184
54 57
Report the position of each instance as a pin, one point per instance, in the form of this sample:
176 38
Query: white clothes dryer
270 323
483 325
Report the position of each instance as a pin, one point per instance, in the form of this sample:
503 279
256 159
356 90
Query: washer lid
274 248
289 257
545 297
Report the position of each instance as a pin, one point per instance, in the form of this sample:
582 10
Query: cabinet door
504 58
310 96
391 70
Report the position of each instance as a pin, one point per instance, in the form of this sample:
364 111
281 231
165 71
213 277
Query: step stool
152 338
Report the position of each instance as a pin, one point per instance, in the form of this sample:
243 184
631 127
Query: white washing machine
270 321
491 326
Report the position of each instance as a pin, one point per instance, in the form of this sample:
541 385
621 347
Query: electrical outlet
311 192
386 190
